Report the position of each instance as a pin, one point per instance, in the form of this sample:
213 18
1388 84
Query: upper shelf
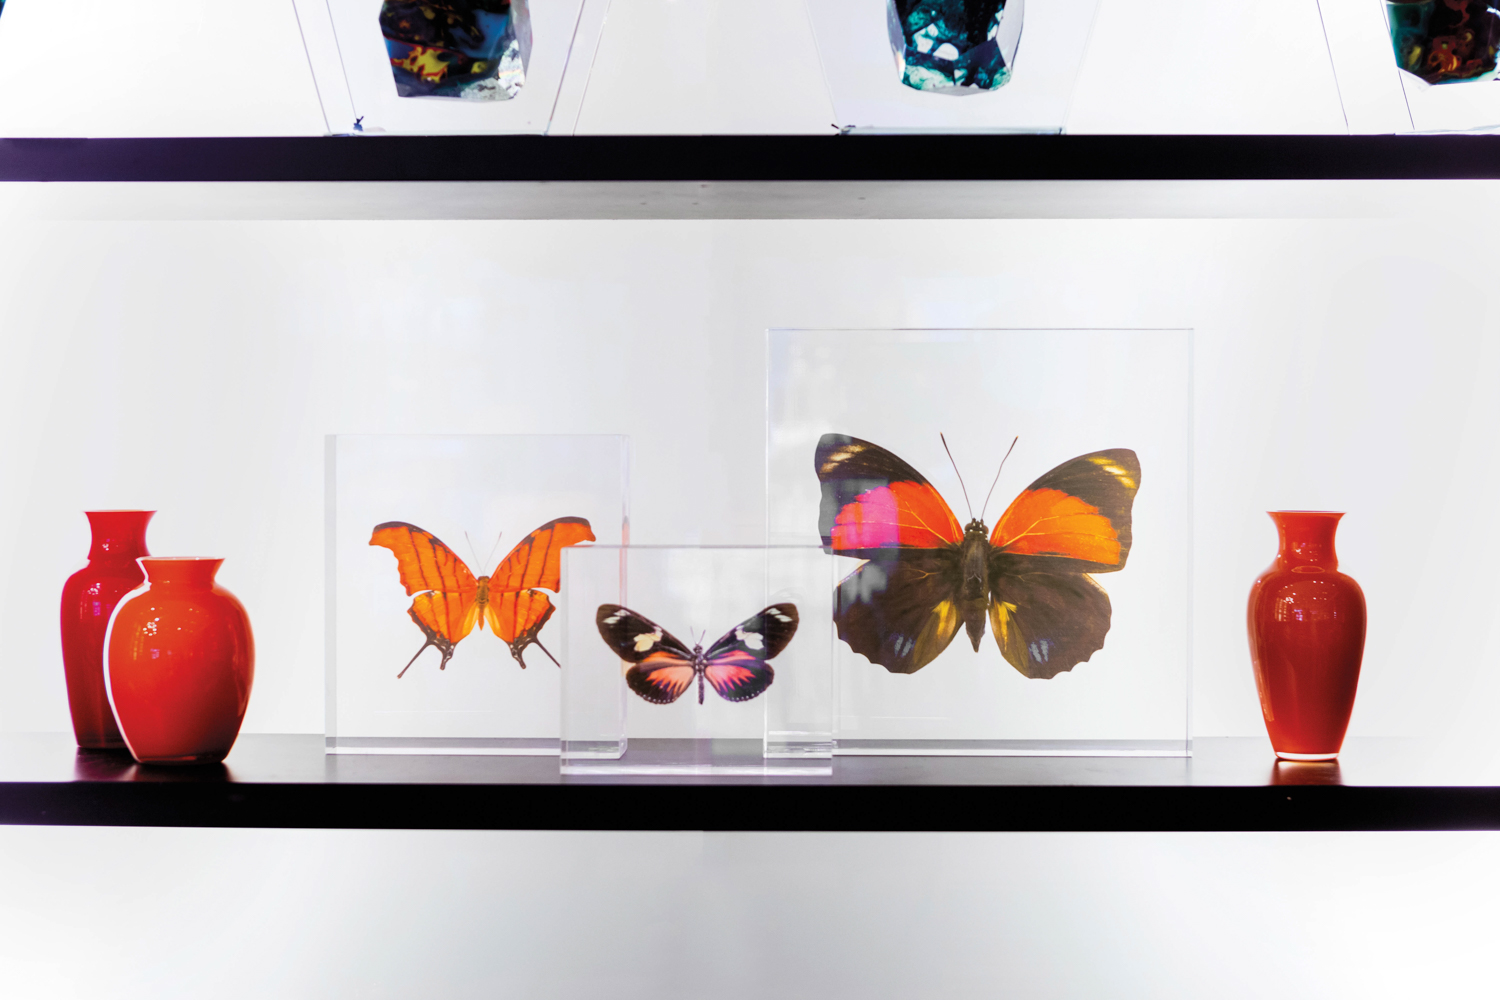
754 158
287 781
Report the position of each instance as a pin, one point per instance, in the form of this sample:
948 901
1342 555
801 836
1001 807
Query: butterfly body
1030 578
974 594
450 602
662 667
700 668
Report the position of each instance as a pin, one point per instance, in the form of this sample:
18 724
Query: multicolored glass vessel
470 49
1445 41
954 46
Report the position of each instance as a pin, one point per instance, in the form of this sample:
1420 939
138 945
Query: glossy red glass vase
179 661
1307 638
88 598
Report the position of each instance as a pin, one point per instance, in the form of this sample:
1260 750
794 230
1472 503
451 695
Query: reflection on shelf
1302 772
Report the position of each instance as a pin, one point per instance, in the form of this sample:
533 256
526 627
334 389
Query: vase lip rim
1340 513
180 559
120 510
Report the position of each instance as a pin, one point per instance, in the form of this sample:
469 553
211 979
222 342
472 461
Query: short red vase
1307 638
179 661
88 599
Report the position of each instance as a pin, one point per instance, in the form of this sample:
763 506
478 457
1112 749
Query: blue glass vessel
472 49
954 46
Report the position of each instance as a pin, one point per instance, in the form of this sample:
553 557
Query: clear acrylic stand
1066 394
1379 96
352 68
697 594
479 495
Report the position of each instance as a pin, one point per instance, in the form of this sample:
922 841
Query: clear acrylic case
352 66
1380 97
467 491
697 594
854 42
1066 393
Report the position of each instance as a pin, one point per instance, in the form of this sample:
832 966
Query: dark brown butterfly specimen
1031 576
662 666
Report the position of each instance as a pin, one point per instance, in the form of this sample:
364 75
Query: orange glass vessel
88 598
179 662
1307 638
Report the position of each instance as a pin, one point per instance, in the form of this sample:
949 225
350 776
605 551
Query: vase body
179 663
88 598
1306 622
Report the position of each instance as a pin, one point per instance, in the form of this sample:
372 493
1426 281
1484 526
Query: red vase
1307 638
178 662
88 598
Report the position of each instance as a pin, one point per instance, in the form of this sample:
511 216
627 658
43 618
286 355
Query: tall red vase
179 662
1307 638
88 598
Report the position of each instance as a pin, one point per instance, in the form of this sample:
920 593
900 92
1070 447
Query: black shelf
287 781
753 158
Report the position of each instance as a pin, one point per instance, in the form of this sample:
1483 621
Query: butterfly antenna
959 474
493 549
997 477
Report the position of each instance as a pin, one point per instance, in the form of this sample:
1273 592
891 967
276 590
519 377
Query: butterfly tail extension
442 645
519 647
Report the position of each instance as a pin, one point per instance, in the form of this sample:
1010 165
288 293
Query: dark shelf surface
754 158
288 781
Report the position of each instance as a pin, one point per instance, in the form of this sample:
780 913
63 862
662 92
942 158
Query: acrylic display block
861 45
1103 427
1415 66
482 498
471 67
697 594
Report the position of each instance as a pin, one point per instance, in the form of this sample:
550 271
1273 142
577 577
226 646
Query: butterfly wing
661 667
445 608
899 609
1075 518
874 502
516 610
1047 613
736 665
1046 623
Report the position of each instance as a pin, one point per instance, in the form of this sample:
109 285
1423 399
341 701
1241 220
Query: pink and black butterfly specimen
1032 577
662 667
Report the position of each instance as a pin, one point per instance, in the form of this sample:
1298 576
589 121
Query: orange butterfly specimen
450 601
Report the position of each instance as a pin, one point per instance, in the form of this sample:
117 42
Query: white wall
238 67
195 367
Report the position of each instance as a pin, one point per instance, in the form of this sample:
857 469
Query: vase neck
170 573
1307 539
118 535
